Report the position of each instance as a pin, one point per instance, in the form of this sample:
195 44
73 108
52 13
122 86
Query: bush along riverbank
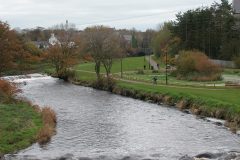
22 123
202 107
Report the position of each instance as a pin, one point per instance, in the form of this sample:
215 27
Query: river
100 125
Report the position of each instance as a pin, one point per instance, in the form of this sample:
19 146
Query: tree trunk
97 69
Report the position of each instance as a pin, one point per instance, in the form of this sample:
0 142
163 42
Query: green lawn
85 76
85 72
19 125
161 79
228 96
129 64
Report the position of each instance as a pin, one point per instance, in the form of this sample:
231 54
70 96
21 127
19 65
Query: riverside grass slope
223 101
19 126
21 122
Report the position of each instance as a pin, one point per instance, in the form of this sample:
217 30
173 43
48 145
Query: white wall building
53 40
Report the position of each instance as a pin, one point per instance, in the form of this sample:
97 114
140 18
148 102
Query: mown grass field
129 64
19 126
228 96
161 79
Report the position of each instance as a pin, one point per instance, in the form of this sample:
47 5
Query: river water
99 125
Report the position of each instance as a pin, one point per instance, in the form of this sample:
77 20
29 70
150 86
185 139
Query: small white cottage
53 40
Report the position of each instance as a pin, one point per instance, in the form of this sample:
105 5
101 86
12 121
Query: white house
53 40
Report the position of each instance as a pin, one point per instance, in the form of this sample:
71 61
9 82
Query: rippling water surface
100 125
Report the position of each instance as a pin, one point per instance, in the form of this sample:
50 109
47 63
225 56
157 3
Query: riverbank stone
233 155
186 157
84 158
66 157
209 155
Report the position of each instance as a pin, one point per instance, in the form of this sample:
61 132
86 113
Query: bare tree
103 44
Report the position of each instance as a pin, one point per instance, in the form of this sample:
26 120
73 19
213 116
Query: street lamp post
166 69
121 67
149 61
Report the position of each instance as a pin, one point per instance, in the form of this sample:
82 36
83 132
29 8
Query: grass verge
22 124
19 125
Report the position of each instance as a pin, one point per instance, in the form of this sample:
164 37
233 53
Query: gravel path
152 62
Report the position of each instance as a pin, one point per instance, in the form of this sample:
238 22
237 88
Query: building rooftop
236 6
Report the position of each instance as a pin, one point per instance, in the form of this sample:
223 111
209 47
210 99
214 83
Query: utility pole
209 39
209 43
121 67
186 30
149 61
66 24
166 69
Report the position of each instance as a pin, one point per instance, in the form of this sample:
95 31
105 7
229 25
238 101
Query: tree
211 30
64 53
165 42
32 49
103 45
111 50
10 48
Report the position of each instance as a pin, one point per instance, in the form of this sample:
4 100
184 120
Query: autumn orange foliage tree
10 47
195 65
13 52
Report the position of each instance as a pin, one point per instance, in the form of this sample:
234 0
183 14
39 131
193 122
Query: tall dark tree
211 30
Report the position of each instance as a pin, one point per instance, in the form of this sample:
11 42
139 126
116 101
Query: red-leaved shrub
7 90
49 124
195 65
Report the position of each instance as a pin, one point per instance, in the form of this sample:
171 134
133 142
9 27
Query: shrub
195 65
88 58
7 90
105 83
49 116
67 74
49 124
155 71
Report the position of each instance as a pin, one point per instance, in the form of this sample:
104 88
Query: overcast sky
140 14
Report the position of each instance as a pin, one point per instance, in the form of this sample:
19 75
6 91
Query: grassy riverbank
19 126
22 123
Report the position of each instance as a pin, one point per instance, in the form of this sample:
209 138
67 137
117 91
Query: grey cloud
115 13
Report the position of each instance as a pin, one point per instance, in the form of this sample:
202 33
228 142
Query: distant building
53 40
236 12
46 44
128 39
236 7
41 44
